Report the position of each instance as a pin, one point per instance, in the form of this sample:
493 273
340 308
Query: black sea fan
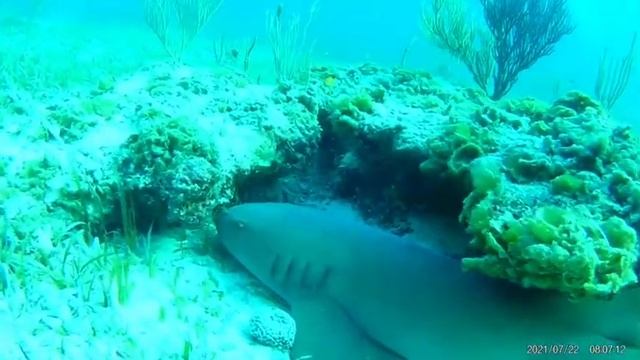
523 31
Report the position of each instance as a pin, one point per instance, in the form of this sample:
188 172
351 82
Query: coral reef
547 192
275 328
559 219
181 168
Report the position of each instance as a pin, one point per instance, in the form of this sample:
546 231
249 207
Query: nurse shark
359 292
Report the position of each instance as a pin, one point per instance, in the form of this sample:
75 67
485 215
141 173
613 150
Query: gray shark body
358 292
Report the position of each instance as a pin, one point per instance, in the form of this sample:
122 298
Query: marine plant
88 268
45 256
120 279
523 32
446 22
290 45
190 18
520 33
31 61
238 56
614 74
128 219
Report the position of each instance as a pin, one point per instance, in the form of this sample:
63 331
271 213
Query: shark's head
275 244
244 231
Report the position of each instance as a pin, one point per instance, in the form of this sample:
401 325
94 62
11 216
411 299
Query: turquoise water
373 31
126 147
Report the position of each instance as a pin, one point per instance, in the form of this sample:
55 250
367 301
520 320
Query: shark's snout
221 219
232 231
224 224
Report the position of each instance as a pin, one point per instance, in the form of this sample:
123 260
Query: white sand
187 299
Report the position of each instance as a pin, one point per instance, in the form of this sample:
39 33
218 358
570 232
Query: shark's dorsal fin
326 332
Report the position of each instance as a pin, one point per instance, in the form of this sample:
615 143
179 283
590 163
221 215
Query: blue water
376 31
73 106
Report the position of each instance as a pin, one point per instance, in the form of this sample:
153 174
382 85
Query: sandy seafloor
189 299
61 295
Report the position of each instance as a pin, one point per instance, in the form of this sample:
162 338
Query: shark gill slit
275 265
324 278
289 273
304 278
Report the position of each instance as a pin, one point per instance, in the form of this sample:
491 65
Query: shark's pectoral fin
326 332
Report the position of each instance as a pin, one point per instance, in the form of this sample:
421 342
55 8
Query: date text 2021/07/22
571 349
